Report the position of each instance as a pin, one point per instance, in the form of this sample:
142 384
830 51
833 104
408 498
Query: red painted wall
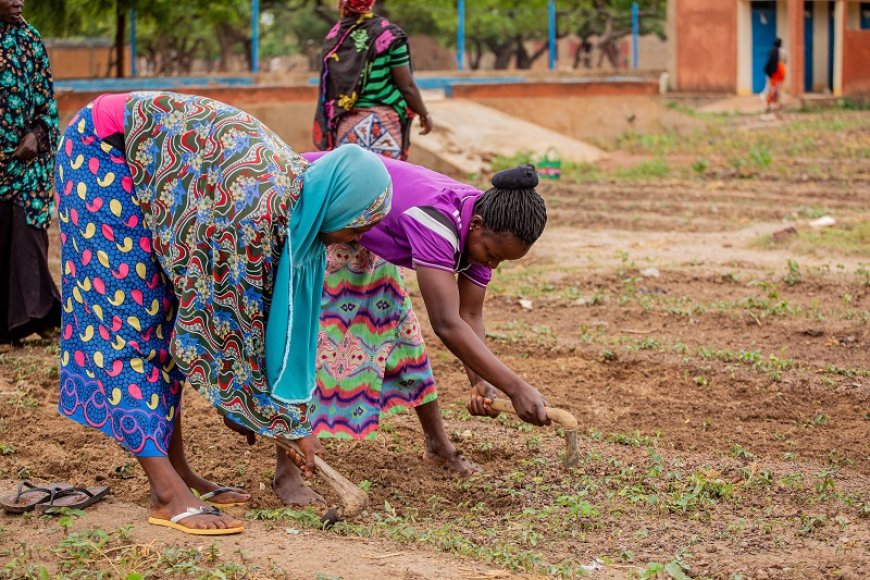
706 45
856 62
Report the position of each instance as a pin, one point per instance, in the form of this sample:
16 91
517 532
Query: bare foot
203 486
289 485
450 458
166 508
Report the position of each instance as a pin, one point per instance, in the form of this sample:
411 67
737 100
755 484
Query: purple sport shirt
428 222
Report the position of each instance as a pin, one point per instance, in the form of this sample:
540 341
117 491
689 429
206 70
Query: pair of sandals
175 522
29 497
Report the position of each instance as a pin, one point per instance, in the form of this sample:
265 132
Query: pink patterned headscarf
358 6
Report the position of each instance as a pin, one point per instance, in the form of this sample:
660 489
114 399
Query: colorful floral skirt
371 358
116 373
378 129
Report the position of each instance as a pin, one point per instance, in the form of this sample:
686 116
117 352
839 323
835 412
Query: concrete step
468 136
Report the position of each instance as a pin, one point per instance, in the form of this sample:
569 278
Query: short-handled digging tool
353 499
560 416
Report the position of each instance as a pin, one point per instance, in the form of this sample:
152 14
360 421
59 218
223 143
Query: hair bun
522 177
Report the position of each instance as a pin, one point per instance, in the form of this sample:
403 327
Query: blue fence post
255 36
132 42
551 18
635 34
460 36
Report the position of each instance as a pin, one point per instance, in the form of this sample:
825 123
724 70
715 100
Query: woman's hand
310 447
27 148
482 394
425 124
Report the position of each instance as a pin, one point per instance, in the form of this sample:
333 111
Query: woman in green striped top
367 91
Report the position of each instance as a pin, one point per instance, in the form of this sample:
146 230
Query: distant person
29 300
367 91
194 250
774 68
371 357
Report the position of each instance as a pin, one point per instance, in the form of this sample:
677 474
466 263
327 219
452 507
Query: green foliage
794 276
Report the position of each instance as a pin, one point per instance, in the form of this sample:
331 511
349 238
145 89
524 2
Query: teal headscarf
347 187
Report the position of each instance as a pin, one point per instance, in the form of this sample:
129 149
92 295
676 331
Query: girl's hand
530 405
482 394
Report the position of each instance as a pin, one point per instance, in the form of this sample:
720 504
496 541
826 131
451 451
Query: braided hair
512 204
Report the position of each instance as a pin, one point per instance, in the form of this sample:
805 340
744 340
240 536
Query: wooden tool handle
353 499
560 416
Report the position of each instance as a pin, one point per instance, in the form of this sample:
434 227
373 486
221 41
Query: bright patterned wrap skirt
116 372
371 357
378 129
128 342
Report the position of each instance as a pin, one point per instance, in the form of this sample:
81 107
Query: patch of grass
636 439
847 239
700 490
306 517
851 239
654 169
98 553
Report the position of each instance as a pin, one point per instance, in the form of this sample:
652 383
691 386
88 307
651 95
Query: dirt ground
720 375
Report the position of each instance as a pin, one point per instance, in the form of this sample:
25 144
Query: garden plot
720 375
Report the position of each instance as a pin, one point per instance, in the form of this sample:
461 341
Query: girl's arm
471 298
440 293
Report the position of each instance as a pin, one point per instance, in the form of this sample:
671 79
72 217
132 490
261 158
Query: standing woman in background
29 300
774 68
367 91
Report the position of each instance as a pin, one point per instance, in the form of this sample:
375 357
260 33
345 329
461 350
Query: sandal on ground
75 498
211 495
27 496
190 512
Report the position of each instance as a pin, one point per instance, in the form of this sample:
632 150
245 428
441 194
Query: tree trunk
475 53
526 60
225 46
120 27
503 54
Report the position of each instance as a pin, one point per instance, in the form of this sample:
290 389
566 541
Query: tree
610 21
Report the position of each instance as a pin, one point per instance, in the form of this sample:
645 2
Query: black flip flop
74 498
27 496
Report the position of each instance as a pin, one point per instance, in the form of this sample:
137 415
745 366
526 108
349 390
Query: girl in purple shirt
371 356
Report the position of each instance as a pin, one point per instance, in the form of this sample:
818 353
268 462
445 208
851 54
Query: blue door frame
763 35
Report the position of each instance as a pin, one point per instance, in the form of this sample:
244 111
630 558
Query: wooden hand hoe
353 499
559 416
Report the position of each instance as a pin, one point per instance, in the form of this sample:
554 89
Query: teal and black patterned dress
29 300
26 104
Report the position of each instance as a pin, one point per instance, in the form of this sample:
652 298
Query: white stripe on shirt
427 221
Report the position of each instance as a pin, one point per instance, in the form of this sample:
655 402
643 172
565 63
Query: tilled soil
724 411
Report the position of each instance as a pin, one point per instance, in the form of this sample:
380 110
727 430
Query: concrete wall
81 62
706 45
582 110
856 62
